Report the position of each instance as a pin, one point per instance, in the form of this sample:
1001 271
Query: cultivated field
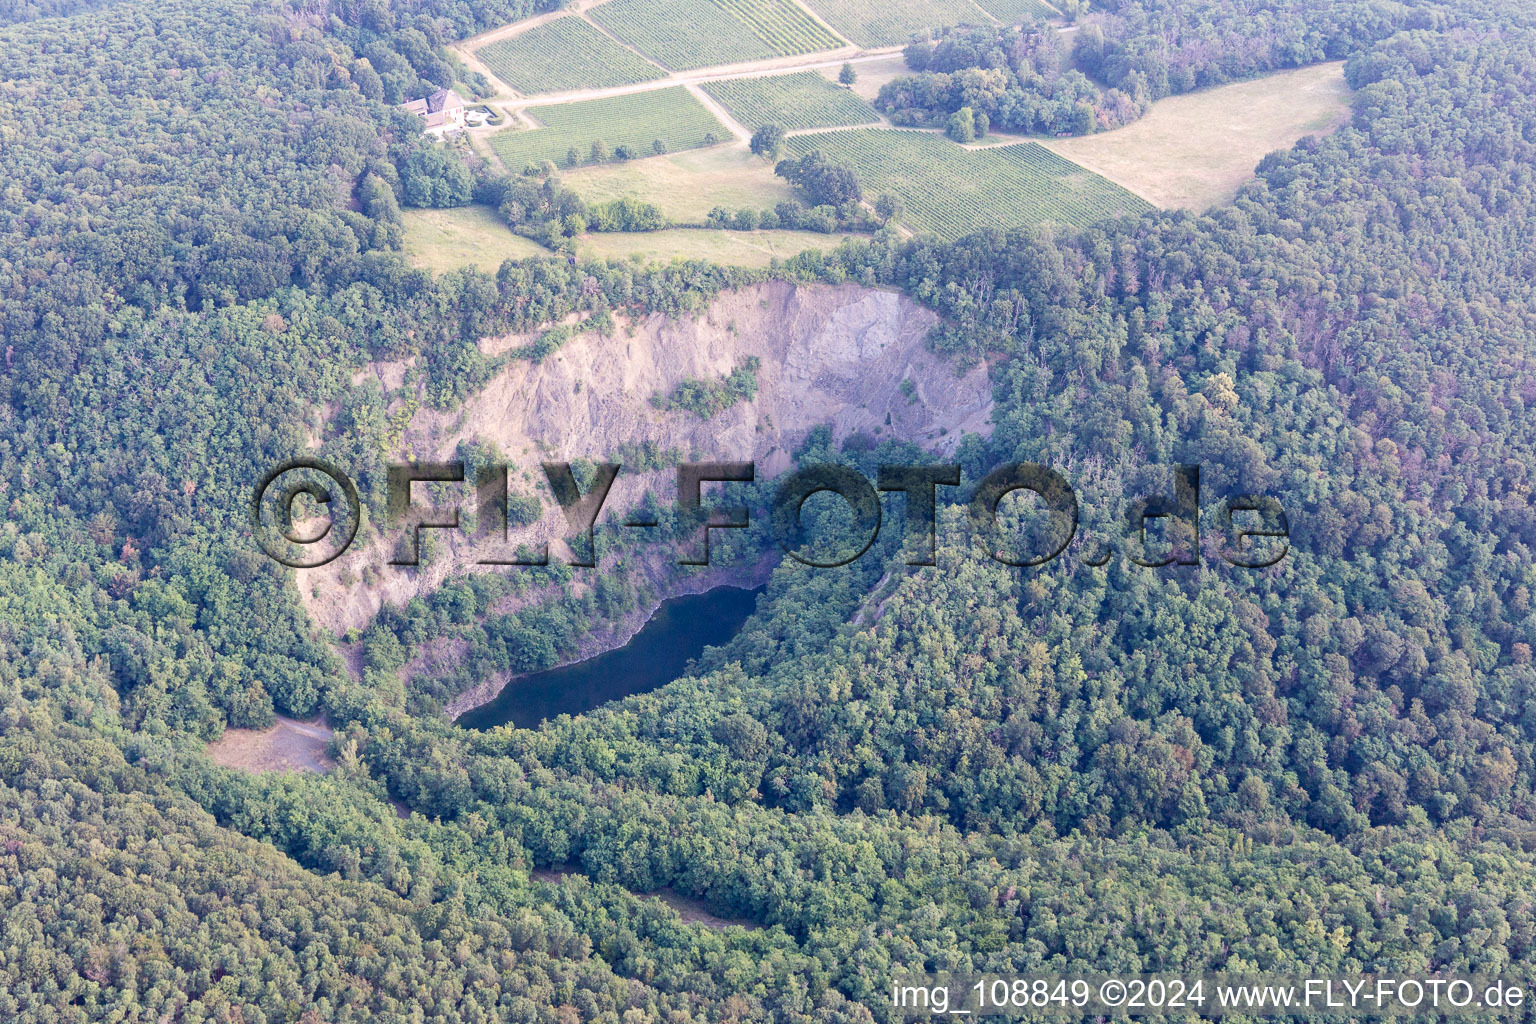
890 22
1196 150
635 120
564 54
950 191
733 248
804 99
785 24
440 240
1016 12
686 34
686 186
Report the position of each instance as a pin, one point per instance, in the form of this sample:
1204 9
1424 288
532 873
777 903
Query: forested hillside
1326 766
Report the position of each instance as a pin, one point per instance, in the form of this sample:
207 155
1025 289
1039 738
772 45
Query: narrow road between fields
740 135
508 102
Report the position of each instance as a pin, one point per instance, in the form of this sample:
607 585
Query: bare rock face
849 357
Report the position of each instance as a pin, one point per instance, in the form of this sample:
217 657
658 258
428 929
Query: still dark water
658 654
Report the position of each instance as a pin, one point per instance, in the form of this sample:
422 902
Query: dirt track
513 104
739 133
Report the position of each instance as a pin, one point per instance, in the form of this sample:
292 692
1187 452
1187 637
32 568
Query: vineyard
804 99
783 24
952 191
687 34
891 22
635 120
566 53
1017 12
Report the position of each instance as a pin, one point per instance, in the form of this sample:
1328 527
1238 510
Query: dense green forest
1327 765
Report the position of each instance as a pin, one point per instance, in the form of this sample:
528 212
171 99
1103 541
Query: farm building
443 111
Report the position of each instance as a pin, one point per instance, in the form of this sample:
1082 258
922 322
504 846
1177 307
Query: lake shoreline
623 630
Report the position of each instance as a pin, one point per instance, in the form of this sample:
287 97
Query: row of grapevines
636 120
804 99
951 191
890 22
687 34
561 55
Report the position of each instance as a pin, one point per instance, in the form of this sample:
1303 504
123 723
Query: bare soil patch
851 358
288 746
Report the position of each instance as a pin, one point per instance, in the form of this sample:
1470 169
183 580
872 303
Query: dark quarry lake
677 633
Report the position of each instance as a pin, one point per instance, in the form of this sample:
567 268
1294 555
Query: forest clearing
285 746
1196 150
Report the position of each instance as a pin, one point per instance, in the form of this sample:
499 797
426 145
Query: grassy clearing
564 54
1016 12
889 22
804 99
1196 150
733 248
439 240
872 75
635 120
686 34
686 186
952 191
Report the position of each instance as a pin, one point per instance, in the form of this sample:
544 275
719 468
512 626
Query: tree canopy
1324 765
